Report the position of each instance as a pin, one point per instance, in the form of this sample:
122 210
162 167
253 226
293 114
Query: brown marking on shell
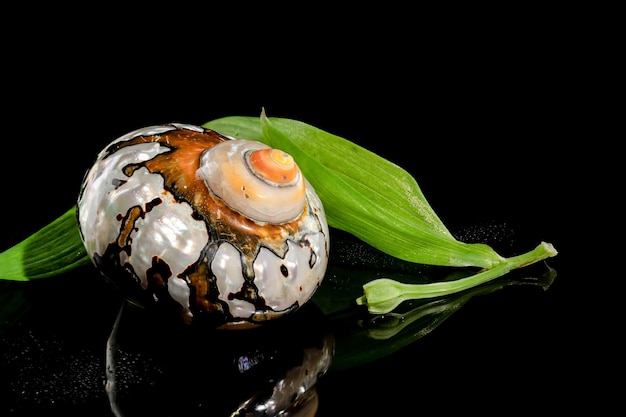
203 289
179 166
128 223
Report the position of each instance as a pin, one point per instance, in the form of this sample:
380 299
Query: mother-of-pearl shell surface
151 225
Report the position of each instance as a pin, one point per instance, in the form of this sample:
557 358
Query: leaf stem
383 295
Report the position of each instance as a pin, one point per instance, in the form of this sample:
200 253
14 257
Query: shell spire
262 183
274 166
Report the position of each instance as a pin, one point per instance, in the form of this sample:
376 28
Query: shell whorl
261 183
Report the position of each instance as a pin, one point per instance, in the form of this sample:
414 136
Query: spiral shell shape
218 230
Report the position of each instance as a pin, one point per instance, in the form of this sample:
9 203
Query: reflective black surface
488 149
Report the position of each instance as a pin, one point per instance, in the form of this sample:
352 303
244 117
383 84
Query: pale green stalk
383 295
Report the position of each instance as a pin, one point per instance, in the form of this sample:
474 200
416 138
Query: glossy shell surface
179 218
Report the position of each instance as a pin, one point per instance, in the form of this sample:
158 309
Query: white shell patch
167 230
227 268
282 282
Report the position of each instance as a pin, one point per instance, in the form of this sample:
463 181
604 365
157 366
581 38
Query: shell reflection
271 370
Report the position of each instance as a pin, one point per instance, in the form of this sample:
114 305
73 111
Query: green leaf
52 250
363 193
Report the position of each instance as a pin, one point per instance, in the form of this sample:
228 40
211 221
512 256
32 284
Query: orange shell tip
273 165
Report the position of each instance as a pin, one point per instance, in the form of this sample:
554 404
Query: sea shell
219 230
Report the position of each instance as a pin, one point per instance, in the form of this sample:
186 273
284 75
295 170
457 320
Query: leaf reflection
362 338
389 325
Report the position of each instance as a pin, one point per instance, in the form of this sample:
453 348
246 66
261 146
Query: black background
489 117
